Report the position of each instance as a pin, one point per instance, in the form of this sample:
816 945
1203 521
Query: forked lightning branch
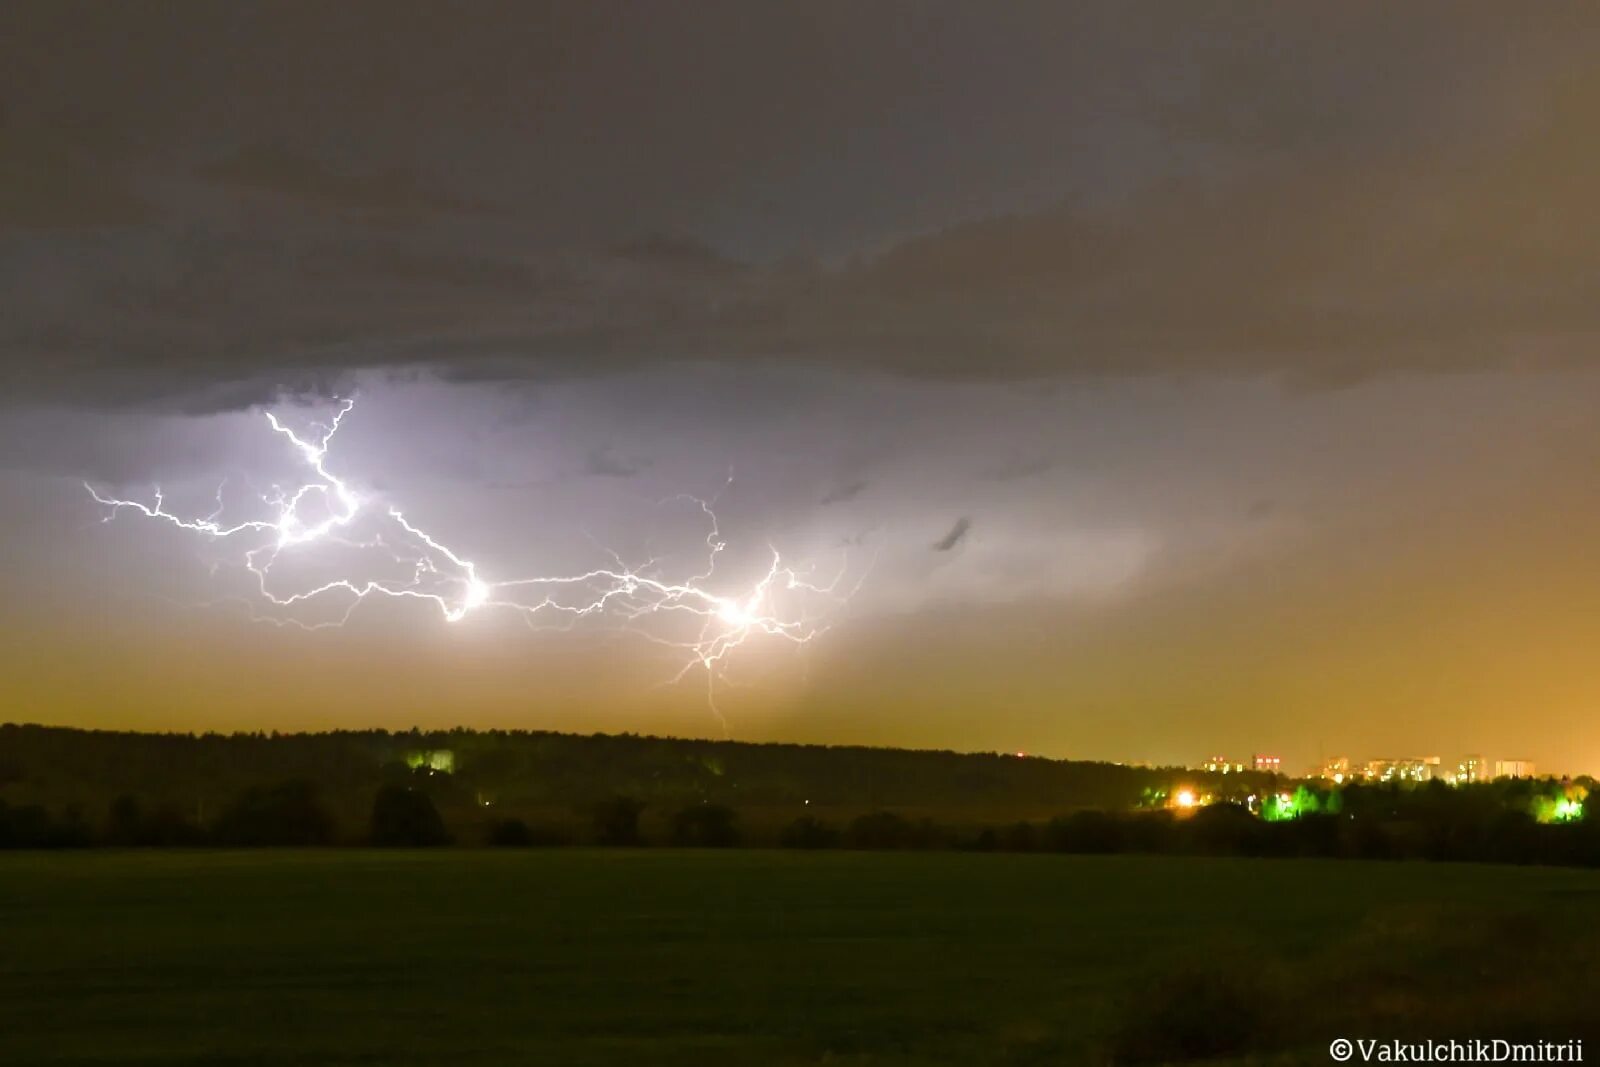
377 553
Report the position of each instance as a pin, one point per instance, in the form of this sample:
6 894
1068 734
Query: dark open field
652 957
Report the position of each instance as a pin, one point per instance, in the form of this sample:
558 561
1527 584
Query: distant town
1340 769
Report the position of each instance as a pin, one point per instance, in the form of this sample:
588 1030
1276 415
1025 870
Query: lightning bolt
326 510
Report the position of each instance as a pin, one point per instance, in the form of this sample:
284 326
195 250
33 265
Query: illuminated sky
1173 382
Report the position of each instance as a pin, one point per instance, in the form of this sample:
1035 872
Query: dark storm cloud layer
204 205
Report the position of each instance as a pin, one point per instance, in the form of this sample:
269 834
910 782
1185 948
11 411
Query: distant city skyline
1469 767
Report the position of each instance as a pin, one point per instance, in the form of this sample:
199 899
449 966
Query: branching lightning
326 513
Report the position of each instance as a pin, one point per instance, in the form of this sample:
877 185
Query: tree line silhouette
69 788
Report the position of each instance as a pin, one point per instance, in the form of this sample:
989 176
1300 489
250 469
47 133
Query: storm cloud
928 189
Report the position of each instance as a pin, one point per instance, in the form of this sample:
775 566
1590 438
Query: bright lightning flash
327 513
736 614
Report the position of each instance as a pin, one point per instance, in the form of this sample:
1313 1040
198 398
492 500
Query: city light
1283 806
1565 807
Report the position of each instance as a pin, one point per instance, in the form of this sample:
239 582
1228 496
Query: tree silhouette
406 818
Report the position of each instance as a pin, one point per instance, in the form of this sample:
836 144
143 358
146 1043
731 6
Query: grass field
578 957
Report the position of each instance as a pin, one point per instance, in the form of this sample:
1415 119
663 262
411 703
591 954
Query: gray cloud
394 196
605 462
205 214
1017 466
844 491
958 533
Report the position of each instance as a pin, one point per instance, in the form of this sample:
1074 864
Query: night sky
1162 379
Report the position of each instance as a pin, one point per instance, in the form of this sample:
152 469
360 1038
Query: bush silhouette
616 821
808 832
32 826
510 833
128 825
1086 831
1316 835
125 823
289 813
515 833
406 818
706 826
1196 1013
880 830
167 827
1226 830
1020 837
